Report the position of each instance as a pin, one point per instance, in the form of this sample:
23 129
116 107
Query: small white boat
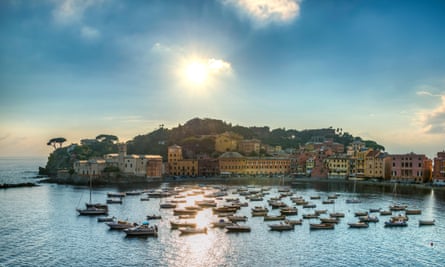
190 230
106 219
177 225
427 222
358 225
142 230
238 228
281 227
221 223
321 226
120 225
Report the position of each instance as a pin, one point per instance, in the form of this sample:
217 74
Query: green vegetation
197 137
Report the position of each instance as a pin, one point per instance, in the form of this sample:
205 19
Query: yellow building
232 163
267 166
249 146
235 163
377 165
338 167
227 142
179 166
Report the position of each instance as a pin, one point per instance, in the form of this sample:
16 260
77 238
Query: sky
80 68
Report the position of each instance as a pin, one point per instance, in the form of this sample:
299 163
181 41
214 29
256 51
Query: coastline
132 181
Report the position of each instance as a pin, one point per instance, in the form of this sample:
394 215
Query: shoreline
138 181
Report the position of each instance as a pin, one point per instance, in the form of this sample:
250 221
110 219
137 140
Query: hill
197 137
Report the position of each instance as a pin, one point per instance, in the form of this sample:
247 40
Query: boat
115 194
400 217
309 206
238 228
337 214
427 222
358 225
91 209
321 226
311 216
360 213
413 211
106 219
294 222
234 218
374 209
184 212
353 200
321 211
329 220
97 205
187 216
133 193
385 212
120 225
154 217
221 223
259 213
397 207
114 200
314 197
274 217
396 223
176 225
259 209
281 227
167 205
289 211
368 218
328 201
192 230
142 230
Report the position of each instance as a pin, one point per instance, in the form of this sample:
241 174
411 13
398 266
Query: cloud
433 121
219 66
426 93
265 12
89 33
71 11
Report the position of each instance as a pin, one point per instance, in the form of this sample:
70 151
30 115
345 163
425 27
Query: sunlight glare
197 72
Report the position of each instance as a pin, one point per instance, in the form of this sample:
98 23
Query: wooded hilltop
196 137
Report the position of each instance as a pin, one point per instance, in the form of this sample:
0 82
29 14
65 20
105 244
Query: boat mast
91 185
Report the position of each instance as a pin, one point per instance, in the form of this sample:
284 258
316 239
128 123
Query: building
91 167
411 168
338 166
249 147
377 165
130 165
226 142
439 169
232 163
178 166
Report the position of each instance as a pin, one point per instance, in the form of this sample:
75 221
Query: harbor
49 212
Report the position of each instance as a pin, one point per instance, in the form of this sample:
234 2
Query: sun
196 72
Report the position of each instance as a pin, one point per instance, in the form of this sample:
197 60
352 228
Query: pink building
439 168
411 168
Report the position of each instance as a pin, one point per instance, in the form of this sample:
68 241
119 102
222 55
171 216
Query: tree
107 138
57 140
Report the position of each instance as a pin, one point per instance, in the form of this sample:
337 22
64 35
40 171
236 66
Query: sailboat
93 209
395 206
353 200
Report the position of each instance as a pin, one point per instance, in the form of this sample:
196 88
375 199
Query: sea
40 226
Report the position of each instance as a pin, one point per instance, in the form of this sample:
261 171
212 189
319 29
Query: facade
338 166
92 167
233 163
248 147
208 167
439 169
132 165
226 142
411 168
178 166
376 164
